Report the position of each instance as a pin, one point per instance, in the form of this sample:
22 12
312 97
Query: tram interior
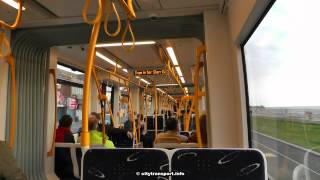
151 89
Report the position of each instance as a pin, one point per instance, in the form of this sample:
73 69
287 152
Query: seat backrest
205 164
75 155
311 163
123 163
222 164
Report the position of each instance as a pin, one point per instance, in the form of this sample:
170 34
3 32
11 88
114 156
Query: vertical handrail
102 99
85 136
200 50
156 111
14 100
131 114
53 73
11 62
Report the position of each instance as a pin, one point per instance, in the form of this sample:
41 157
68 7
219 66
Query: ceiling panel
149 4
141 57
169 4
185 50
68 8
32 12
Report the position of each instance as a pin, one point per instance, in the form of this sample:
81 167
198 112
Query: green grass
306 135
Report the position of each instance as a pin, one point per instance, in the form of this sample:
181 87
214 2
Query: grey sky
282 56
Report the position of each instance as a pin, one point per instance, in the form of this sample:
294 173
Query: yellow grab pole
85 136
102 100
155 111
199 52
4 40
13 101
51 151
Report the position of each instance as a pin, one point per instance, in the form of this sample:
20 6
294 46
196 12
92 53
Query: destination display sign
149 72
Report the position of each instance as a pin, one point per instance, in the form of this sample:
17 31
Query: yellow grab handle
98 15
109 11
16 22
53 73
128 7
128 28
101 98
4 42
13 101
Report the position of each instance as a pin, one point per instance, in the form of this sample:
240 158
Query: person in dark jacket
120 137
63 162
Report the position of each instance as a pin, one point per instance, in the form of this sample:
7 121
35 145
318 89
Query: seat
204 164
222 164
310 167
101 163
70 152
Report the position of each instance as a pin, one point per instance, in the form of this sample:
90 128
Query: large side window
283 73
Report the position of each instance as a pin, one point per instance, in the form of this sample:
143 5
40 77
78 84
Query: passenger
95 135
172 133
203 130
111 131
63 162
63 133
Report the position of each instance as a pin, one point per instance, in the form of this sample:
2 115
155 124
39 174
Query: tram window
282 64
108 94
69 95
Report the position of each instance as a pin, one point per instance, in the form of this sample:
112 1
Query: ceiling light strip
103 57
172 56
13 4
139 43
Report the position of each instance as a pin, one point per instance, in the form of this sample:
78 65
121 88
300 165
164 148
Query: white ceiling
142 57
53 12
50 12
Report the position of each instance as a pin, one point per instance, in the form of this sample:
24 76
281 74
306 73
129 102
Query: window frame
244 68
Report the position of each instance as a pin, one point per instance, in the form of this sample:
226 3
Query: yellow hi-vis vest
96 139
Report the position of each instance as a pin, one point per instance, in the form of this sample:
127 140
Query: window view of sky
283 56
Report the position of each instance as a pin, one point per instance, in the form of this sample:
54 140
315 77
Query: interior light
125 70
172 56
68 70
13 4
139 43
145 81
182 80
162 85
161 90
107 59
179 71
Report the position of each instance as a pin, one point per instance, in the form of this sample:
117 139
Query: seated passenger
120 137
63 133
63 162
95 135
203 130
172 133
